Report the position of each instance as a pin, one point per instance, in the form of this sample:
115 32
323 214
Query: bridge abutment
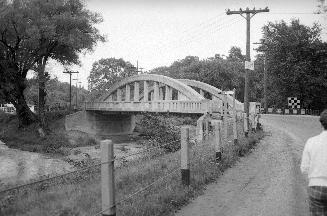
100 123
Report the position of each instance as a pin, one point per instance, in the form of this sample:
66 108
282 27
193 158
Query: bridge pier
100 123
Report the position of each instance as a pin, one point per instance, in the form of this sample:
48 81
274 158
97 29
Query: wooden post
258 121
107 178
217 140
225 125
199 129
185 165
206 129
245 125
253 122
234 119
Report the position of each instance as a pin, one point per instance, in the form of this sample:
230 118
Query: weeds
81 195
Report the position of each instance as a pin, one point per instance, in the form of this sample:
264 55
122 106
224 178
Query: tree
57 93
296 65
107 71
235 54
322 7
34 31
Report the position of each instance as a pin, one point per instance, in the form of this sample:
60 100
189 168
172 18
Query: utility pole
249 14
76 98
265 75
70 87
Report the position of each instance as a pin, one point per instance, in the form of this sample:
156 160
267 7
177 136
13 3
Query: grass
80 194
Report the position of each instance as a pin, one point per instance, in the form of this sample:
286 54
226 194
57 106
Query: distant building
10 109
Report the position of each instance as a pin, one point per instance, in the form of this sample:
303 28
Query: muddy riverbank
18 167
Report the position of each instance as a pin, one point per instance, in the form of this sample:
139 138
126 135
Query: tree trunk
42 92
12 86
24 114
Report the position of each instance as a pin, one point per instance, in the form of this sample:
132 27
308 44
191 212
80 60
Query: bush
161 129
6 118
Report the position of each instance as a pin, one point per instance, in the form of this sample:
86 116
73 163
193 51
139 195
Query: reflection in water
18 166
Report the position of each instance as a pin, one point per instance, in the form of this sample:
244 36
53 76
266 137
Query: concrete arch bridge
114 112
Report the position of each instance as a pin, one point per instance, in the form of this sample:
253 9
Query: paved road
268 181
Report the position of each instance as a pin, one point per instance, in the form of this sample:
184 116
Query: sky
158 32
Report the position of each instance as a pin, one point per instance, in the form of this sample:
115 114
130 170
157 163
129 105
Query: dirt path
268 181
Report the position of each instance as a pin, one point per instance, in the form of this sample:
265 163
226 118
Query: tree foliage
57 93
33 31
224 74
107 71
296 64
322 7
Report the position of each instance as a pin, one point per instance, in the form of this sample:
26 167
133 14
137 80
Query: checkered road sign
294 103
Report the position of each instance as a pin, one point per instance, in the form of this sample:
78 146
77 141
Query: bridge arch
186 92
213 91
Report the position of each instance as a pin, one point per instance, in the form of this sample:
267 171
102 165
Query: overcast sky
158 32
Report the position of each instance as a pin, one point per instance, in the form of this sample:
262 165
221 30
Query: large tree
296 64
107 71
31 33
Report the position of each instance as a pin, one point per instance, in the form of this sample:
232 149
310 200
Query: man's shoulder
313 139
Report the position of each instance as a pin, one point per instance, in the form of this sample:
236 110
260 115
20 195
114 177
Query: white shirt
314 160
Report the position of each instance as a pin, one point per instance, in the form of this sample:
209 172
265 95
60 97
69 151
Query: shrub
160 129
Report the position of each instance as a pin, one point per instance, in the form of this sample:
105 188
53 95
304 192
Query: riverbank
25 156
80 193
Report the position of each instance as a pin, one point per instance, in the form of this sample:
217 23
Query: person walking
314 165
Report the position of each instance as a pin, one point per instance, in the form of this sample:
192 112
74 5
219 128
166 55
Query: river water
18 166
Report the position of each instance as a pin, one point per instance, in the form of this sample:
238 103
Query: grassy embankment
55 142
80 194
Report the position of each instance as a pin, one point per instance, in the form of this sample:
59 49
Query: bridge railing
152 106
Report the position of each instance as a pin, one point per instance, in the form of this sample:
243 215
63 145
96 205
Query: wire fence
200 151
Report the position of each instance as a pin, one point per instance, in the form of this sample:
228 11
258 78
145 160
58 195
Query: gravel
266 182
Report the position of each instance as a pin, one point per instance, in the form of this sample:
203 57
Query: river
17 166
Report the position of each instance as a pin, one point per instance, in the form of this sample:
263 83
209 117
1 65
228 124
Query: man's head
323 119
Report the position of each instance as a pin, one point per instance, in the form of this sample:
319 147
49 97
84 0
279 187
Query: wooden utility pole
265 92
249 14
70 87
77 88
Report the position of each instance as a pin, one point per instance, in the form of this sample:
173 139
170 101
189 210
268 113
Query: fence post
185 165
199 129
234 118
225 117
254 124
206 129
107 179
245 124
217 140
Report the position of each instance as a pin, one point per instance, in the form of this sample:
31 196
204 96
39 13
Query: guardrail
152 106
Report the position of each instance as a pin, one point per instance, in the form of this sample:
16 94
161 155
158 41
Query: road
266 182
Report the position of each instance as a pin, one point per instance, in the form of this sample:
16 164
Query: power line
312 13
200 35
